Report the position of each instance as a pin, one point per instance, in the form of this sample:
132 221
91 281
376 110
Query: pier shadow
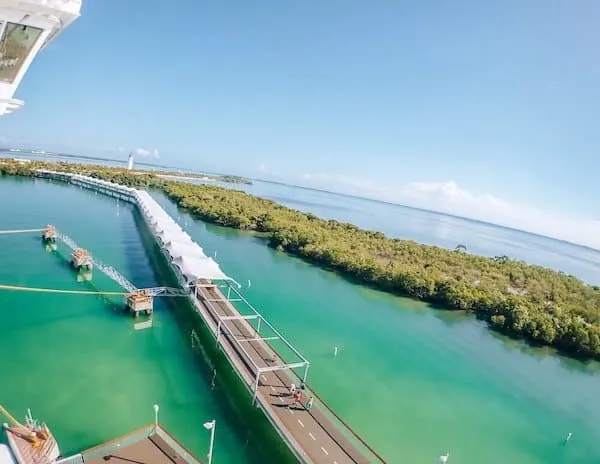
63 261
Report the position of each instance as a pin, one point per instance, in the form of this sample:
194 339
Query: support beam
234 318
255 339
217 300
283 339
255 388
305 373
282 367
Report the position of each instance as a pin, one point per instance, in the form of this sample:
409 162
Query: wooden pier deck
310 433
149 445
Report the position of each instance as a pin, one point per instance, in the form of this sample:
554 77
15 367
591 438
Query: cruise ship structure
26 27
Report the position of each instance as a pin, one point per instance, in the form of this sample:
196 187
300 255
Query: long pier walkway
255 349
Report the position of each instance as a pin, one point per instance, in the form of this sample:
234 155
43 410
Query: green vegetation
143 177
220 178
543 306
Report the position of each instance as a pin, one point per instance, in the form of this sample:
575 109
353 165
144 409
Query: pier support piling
139 302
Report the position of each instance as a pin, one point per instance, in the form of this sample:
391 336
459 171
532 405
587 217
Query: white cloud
146 153
449 197
266 170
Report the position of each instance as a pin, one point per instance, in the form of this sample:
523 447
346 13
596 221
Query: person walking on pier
309 403
292 389
296 398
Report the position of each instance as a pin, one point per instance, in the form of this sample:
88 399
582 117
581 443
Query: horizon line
35 152
441 213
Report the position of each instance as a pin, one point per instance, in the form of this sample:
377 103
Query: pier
149 444
310 428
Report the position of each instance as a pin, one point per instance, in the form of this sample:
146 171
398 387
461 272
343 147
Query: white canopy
194 268
186 254
177 249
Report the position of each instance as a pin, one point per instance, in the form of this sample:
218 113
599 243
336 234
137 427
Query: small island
540 305
214 177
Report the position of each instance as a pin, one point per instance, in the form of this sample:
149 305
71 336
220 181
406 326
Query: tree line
543 306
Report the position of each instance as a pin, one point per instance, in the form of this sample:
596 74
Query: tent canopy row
186 254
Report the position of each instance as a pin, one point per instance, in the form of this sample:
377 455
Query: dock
149 444
314 432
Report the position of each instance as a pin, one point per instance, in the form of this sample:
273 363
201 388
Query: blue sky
483 109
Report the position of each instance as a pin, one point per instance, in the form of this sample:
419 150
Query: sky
487 110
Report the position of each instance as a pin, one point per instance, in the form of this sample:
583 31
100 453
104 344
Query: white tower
130 161
27 26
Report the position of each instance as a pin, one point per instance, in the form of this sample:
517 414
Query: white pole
335 350
211 426
156 408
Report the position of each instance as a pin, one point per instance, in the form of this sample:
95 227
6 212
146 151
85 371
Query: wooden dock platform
149 445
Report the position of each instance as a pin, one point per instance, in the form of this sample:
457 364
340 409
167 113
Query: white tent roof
177 249
185 253
194 268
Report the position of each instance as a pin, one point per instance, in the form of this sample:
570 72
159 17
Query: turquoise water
414 381
76 361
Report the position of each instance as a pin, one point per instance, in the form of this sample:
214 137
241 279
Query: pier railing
106 449
339 431
173 443
76 459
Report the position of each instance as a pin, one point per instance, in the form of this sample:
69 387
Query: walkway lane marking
292 412
263 377
280 398
273 388
300 422
311 436
325 451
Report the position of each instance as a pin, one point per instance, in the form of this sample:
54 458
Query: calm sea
414 380
434 228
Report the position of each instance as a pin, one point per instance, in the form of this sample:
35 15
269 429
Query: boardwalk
315 436
318 438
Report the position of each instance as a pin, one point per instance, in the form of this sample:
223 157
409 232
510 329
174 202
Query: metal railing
109 271
108 448
173 443
76 459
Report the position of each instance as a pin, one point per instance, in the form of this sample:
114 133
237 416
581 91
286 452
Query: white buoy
568 437
444 458
215 254
335 351
249 283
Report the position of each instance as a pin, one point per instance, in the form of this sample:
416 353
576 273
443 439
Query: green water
414 381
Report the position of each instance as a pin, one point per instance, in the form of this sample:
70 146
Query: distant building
27 26
130 162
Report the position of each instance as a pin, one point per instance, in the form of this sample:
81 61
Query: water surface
414 381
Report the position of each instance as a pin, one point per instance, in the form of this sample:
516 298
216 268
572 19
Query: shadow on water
262 443
88 283
47 318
